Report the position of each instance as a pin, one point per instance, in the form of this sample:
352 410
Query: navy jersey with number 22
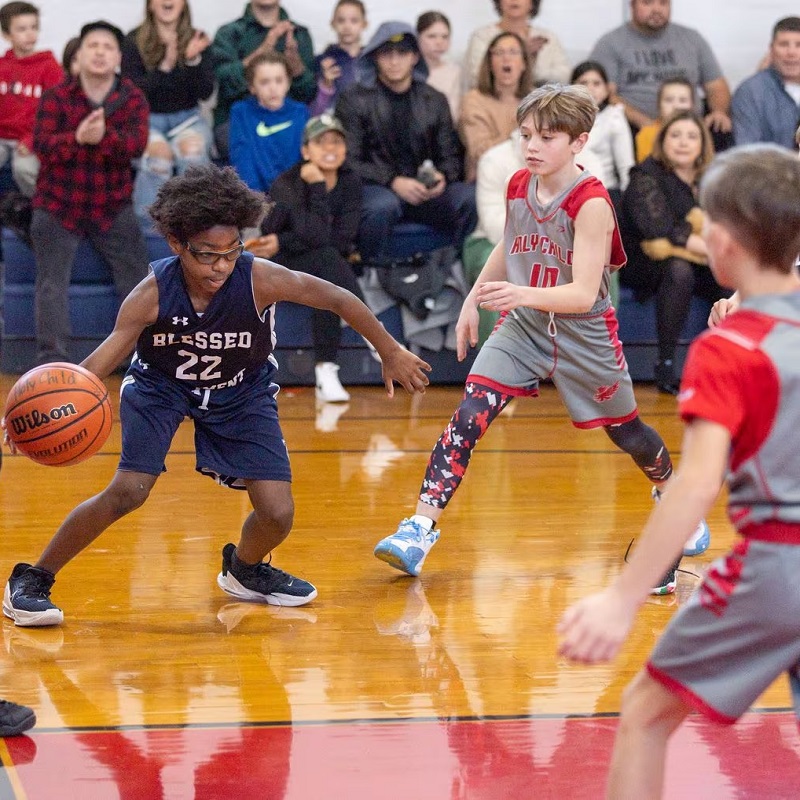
215 349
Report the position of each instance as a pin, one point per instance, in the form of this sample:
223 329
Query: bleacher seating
93 301
637 330
93 307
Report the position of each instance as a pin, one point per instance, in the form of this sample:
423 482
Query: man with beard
649 48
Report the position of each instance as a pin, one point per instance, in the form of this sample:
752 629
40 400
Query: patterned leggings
479 408
450 457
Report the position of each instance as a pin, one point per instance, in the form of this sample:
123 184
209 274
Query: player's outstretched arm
593 629
272 283
138 310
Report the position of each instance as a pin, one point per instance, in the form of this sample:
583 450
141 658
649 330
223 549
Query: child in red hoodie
24 75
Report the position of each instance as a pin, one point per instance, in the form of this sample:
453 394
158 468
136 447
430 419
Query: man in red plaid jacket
87 131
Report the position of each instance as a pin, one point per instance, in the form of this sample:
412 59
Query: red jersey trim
688 696
612 326
515 391
588 190
518 185
603 421
772 531
713 387
747 328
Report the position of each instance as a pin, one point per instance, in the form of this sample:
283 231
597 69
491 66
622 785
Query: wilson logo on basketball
35 419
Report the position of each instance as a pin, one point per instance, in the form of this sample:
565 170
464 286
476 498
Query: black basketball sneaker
15 719
27 598
262 583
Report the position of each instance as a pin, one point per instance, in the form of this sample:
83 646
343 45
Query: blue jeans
152 172
454 212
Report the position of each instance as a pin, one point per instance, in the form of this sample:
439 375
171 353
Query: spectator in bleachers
674 94
489 111
24 75
662 222
610 141
170 61
641 53
433 36
395 123
766 107
312 228
264 28
266 129
69 58
86 134
546 56
337 65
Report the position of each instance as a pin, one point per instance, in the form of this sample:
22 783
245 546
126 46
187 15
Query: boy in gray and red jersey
740 400
549 277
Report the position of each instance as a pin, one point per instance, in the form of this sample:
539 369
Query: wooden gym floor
447 686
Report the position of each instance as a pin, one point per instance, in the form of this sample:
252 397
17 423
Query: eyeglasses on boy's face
210 257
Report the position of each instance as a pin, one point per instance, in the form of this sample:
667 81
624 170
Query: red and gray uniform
580 353
741 629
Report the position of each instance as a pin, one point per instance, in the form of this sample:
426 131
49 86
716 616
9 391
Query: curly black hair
204 197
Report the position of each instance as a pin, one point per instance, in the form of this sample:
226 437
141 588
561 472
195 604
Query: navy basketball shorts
236 430
739 632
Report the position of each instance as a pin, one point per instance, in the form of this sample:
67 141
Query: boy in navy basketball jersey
550 279
202 324
740 400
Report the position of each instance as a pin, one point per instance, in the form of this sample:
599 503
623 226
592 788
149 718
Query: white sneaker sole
231 586
31 619
397 557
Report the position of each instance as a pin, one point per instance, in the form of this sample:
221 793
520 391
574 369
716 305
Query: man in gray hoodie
402 143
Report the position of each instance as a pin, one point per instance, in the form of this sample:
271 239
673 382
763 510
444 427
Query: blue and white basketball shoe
407 548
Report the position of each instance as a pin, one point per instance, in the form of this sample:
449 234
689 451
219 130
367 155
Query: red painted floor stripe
439 760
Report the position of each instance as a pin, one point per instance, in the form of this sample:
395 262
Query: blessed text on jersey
203 340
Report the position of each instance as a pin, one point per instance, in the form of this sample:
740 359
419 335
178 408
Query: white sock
423 522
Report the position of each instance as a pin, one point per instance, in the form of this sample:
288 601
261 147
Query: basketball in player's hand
58 414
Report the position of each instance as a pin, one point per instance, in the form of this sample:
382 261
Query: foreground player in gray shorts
740 399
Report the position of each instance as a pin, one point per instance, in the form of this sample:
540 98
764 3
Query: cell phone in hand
426 174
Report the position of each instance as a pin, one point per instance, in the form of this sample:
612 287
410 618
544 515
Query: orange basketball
58 414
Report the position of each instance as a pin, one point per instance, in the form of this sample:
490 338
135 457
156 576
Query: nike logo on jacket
267 130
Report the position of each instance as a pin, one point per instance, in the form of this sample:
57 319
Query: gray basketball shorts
739 631
581 355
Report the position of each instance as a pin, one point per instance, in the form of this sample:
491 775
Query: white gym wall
738 30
